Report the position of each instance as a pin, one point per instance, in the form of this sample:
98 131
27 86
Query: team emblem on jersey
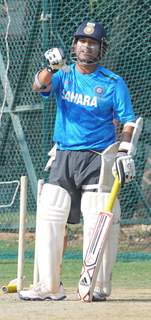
89 29
99 90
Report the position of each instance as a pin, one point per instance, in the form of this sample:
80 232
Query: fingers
55 58
124 166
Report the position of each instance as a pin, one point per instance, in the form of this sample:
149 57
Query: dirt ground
124 304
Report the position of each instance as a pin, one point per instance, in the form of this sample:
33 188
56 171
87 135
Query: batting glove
55 59
124 167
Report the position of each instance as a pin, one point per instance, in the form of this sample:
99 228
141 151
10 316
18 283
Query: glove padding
55 59
124 166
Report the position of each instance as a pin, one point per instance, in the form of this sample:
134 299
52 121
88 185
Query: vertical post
22 229
46 104
36 273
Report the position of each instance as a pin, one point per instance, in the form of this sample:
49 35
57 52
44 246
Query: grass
125 274
132 274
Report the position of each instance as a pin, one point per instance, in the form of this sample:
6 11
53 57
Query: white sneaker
40 293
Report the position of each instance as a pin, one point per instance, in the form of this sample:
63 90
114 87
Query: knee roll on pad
92 203
54 203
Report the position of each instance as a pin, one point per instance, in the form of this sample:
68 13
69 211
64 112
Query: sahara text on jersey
79 98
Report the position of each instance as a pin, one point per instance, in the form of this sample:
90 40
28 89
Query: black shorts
76 171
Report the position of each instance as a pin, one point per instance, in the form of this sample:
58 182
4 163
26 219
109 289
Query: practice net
27 29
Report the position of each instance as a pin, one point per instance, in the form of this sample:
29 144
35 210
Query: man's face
87 50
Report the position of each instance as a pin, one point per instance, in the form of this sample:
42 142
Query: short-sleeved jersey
86 107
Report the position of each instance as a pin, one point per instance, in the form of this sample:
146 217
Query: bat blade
94 256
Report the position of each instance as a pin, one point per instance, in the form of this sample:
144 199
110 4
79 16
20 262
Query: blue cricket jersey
86 107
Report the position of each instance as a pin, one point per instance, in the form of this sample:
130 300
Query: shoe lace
38 287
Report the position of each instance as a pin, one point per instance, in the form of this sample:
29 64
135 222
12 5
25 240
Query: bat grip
113 194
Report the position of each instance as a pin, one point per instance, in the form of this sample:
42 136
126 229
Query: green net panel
27 29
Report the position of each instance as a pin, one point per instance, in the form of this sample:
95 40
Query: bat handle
113 194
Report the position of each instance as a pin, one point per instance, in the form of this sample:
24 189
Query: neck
86 69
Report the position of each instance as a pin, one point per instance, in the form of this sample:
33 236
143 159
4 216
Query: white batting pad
103 282
53 211
106 178
91 204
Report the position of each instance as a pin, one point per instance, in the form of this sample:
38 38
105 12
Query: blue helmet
93 30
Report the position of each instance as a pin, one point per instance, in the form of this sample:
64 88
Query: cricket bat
96 247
